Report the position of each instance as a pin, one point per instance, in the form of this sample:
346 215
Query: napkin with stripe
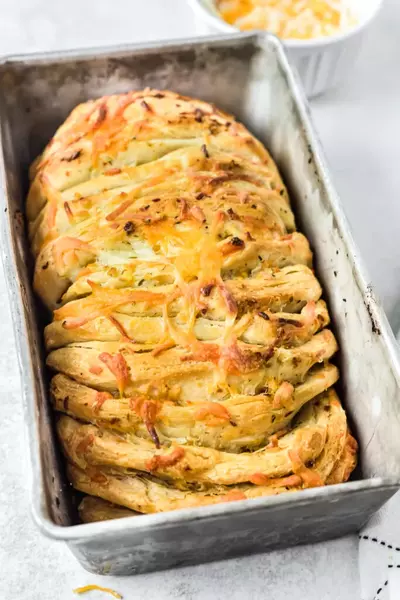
380 554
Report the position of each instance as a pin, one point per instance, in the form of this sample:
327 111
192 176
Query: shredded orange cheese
274 439
283 394
309 477
69 212
92 587
84 444
118 367
99 400
119 210
233 496
119 327
101 303
289 19
51 213
147 410
162 347
213 409
166 460
309 313
64 249
113 171
96 475
290 481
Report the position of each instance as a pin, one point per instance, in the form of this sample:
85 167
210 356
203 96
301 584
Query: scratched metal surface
248 75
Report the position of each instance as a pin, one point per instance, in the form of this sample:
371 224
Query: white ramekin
321 63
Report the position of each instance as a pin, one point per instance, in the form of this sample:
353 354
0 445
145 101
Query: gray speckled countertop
359 126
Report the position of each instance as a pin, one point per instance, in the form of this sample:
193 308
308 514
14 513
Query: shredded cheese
147 410
120 328
233 496
289 19
117 365
90 588
164 461
84 444
101 303
214 409
283 394
309 477
99 400
290 481
64 251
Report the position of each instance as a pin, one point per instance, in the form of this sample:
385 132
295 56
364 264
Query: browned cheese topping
189 344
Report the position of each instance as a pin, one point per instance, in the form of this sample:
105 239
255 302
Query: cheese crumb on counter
91 588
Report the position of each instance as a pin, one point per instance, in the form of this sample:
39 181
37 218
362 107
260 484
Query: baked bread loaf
189 342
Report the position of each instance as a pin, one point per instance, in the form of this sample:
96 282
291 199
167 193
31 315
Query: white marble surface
359 126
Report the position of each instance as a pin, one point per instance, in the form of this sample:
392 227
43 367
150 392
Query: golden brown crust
307 439
284 329
242 367
346 462
253 419
189 338
146 493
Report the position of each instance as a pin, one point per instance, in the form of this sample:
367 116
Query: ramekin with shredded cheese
321 37
289 19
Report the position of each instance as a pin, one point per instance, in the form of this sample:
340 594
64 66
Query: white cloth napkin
380 554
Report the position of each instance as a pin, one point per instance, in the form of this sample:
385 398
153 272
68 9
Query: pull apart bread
189 342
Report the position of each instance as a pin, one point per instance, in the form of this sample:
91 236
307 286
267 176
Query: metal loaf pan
248 75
